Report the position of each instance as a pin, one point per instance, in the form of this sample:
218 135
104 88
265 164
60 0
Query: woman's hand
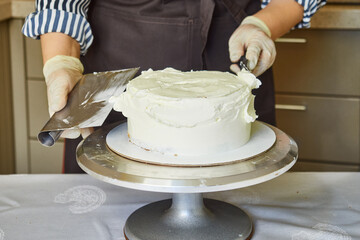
62 70
252 39
61 75
255 34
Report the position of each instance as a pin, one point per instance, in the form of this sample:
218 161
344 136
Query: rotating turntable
187 215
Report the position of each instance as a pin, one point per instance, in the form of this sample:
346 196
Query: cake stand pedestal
187 215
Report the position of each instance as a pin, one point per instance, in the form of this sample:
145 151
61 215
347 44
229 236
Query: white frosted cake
189 113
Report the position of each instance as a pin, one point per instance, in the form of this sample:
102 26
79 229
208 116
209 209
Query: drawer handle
291 40
290 107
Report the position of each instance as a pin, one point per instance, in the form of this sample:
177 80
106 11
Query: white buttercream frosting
189 113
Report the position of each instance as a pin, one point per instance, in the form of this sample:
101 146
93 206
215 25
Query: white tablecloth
296 206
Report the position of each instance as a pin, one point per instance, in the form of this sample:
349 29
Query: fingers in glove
266 60
235 68
59 84
85 132
236 47
75 133
262 65
71 133
252 54
57 96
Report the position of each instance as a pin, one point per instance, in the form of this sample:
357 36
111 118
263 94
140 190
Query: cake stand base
188 216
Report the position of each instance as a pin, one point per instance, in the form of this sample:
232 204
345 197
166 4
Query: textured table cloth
296 206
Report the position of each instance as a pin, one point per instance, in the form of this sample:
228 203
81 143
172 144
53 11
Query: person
183 34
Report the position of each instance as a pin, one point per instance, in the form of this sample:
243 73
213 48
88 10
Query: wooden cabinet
319 62
326 130
310 166
30 106
317 83
42 159
45 159
7 148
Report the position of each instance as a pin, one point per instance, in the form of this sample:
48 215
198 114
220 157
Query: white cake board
262 138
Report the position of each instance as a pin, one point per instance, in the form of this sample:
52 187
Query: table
296 206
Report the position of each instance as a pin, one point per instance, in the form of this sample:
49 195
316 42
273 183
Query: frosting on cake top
187 99
194 84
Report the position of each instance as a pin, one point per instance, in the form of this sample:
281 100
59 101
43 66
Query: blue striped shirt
65 16
69 17
310 8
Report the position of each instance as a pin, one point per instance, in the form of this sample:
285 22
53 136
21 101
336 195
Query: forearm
280 16
53 44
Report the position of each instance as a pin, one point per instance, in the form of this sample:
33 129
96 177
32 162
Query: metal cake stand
187 215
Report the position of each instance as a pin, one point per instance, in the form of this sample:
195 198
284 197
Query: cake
189 113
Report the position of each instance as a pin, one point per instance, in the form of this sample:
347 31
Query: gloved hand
61 75
254 38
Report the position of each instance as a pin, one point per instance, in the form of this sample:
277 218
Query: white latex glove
61 75
254 38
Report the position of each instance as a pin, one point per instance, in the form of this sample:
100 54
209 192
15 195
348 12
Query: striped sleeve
310 7
65 16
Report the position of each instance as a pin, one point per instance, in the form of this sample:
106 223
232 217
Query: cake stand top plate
96 159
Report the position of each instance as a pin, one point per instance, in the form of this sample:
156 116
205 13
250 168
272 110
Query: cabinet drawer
38 108
325 129
46 159
324 62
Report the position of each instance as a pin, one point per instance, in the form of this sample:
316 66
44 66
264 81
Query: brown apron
183 34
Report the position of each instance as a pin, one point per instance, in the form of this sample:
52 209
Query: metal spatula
87 104
243 63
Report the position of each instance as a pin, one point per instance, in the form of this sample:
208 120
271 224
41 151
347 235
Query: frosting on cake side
189 113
